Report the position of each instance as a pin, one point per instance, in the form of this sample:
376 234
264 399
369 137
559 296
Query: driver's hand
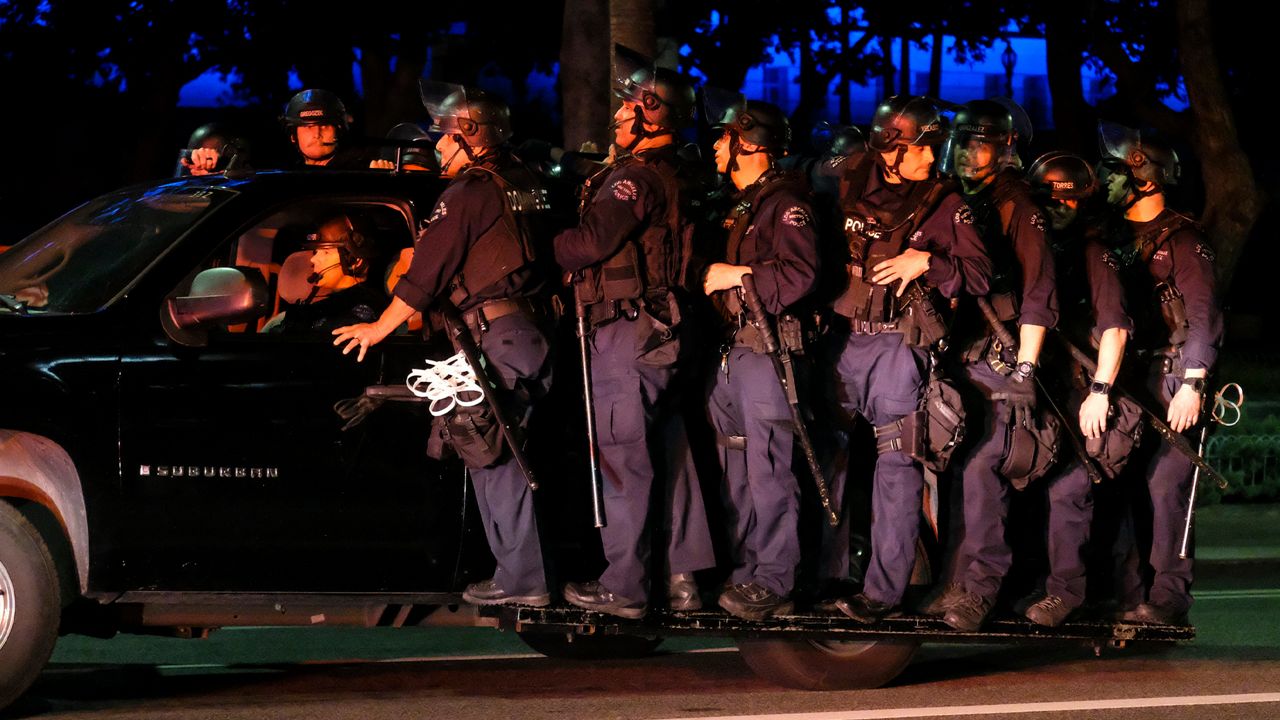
363 336
381 164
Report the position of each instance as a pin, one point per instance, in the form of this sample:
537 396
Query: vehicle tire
571 646
29 604
808 664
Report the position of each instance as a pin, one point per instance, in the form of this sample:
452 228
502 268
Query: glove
1019 398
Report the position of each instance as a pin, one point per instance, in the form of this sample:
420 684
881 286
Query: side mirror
220 295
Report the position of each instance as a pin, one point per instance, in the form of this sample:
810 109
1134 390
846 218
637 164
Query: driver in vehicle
342 292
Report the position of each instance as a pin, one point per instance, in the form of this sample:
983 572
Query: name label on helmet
311 113
1063 185
931 127
208 471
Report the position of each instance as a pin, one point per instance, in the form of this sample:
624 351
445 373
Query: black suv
166 466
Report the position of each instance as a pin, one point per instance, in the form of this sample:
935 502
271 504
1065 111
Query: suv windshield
83 261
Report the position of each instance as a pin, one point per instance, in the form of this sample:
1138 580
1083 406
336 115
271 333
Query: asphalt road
1232 670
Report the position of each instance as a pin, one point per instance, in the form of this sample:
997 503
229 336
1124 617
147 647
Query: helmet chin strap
638 133
897 162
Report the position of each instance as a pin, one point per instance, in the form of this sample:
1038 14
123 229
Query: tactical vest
507 246
658 260
1136 257
873 236
993 219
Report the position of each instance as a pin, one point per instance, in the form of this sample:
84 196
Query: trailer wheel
29 604
572 646
807 664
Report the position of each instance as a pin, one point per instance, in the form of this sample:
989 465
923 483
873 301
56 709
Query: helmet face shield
447 105
724 109
901 121
634 75
480 119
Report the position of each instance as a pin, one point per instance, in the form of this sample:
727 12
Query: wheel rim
6 605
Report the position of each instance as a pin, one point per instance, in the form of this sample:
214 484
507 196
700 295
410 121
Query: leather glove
1019 398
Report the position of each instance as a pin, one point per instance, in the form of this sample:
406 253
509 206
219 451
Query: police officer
772 237
982 150
909 235
343 291
476 253
318 123
1167 266
1093 312
627 257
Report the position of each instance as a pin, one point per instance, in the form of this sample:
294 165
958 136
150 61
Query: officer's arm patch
441 210
625 189
1037 221
796 216
1206 252
963 216
1111 259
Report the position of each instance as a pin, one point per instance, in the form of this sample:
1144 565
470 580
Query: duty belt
872 327
478 318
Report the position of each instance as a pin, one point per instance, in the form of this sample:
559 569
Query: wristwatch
1196 383
1025 370
1097 387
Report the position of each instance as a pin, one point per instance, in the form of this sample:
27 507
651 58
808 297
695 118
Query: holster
1030 453
944 413
1122 436
473 434
931 434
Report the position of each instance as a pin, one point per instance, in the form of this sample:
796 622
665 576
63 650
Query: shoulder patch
963 216
625 190
837 161
1161 254
1206 252
1111 259
1037 221
796 216
441 210
916 237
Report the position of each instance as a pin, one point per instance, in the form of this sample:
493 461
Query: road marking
1259 594
1015 708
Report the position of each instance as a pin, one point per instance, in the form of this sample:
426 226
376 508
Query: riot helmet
906 120
760 124
315 107
1062 176
355 246
1140 155
902 121
662 97
981 142
846 141
1060 181
1023 130
480 119
413 145
209 135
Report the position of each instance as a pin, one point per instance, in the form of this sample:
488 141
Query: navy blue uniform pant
881 378
984 556
642 437
1167 474
763 496
518 354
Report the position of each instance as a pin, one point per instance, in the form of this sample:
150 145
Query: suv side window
324 262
